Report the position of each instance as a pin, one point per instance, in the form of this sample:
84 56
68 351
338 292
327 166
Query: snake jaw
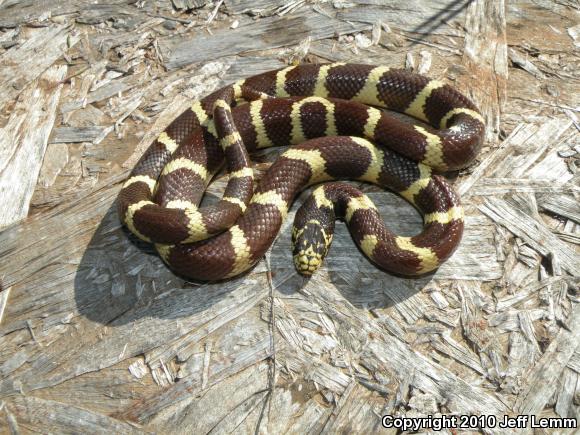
311 244
307 261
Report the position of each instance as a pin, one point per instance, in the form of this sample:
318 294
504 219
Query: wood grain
97 335
23 142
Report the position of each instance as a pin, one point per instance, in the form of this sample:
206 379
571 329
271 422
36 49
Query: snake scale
330 114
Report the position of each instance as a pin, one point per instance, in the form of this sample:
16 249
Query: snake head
310 246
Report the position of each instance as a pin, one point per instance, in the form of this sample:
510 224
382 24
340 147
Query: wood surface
98 336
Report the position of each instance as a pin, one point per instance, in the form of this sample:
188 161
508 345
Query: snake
332 118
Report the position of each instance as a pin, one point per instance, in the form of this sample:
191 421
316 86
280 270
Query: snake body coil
325 112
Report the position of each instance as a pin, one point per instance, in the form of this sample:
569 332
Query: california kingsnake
325 112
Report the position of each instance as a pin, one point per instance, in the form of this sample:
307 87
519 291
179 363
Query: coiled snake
329 114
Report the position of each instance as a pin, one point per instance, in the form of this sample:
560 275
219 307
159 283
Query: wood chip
185 51
539 386
24 140
535 233
76 134
27 62
565 206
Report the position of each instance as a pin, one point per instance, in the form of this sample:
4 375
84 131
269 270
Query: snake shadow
346 270
121 279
